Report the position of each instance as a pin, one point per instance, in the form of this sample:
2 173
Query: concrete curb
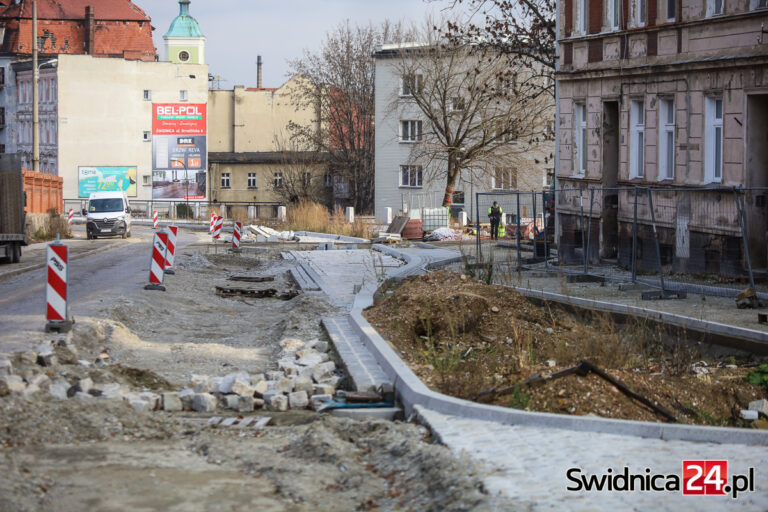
412 392
337 238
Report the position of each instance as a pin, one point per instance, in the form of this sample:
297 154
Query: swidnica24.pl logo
698 478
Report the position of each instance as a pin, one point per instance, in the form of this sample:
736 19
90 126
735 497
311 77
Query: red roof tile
123 10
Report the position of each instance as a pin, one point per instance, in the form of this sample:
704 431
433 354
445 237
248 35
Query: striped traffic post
236 236
213 222
217 228
155 220
157 263
70 216
57 310
173 233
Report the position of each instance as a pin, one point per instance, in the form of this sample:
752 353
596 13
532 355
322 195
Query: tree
340 85
524 29
298 173
479 111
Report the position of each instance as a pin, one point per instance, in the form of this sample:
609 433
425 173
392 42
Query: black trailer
13 219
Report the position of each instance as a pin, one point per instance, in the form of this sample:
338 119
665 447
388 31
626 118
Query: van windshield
105 205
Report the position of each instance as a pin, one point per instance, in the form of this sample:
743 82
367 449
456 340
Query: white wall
102 115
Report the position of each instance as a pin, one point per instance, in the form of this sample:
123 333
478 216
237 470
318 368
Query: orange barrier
44 192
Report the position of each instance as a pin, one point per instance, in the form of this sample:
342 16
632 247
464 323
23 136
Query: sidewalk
527 465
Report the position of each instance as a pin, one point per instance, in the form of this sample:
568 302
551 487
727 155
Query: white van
108 214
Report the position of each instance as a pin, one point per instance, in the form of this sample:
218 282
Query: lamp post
36 93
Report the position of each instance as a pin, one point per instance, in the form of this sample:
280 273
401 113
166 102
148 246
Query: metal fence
191 210
673 239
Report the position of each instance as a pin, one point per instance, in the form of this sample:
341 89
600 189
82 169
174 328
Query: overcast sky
278 30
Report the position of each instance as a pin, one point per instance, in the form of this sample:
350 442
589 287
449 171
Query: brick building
670 94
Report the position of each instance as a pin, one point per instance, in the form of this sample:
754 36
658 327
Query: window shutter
568 8
595 16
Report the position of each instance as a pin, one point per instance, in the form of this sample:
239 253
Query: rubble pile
306 377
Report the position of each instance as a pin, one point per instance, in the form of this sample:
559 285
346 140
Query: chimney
258 71
90 30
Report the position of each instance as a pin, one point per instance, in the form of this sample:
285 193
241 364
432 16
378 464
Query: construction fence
669 238
192 210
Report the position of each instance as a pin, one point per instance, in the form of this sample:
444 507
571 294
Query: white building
399 183
97 113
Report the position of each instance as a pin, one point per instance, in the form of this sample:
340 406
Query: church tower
184 41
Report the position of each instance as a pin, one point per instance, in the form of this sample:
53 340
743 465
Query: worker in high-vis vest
494 214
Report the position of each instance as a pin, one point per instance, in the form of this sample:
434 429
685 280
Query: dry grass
309 216
48 227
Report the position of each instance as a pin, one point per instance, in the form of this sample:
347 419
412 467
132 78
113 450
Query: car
108 214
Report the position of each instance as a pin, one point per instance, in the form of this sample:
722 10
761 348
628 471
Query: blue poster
107 179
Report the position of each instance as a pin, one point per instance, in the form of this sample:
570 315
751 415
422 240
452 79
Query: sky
278 30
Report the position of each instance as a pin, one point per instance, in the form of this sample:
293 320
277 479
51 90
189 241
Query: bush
759 377
310 216
184 211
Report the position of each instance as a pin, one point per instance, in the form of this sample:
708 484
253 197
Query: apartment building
670 94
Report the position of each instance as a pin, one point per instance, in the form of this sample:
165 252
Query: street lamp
186 183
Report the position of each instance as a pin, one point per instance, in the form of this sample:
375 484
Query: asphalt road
95 279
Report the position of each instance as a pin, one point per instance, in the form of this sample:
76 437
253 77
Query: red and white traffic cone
156 222
173 232
70 216
236 236
213 222
217 228
157 263
57 310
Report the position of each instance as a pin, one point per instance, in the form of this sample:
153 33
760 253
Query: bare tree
476 112
523 29
299 173
340 85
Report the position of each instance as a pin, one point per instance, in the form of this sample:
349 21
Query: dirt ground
463 337
102 455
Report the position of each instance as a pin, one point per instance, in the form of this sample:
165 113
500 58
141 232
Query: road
96 278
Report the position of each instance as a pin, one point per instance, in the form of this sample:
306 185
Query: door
757 176
609 227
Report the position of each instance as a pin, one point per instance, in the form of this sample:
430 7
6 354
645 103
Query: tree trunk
453 176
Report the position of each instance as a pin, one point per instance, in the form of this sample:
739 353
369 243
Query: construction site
299 370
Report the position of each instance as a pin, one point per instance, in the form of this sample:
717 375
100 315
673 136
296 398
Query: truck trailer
13 218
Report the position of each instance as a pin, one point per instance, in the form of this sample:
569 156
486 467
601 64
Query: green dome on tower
184 25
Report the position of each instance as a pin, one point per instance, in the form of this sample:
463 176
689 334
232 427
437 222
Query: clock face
184 56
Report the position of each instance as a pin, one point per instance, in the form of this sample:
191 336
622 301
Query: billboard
106 179
179 150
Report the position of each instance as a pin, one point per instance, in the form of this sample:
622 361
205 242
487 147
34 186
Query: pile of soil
462 337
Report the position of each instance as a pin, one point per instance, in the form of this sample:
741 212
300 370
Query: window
147 95
278 179
505 178
225 182
637 139
307 179
583 15
410 84
147 136
714 7
183 95
613 7
328 180
580 137
639 9
146 180
411 176
457 104
666 140
2 148
253 180
671 10
714 140
184 56
410 131
758 4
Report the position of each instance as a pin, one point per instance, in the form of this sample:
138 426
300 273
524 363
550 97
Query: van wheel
124 235
128 234
15 253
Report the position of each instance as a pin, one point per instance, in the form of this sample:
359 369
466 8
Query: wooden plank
398 225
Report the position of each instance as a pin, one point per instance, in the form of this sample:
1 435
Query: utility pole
35 95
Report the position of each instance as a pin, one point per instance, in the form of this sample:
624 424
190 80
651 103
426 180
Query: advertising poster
179 151
107 179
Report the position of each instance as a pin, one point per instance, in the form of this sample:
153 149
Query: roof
123 10
184 25
268 157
